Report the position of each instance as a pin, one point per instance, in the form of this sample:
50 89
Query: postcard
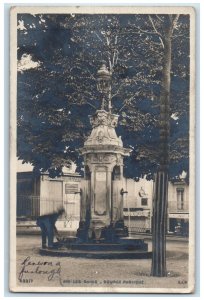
102 149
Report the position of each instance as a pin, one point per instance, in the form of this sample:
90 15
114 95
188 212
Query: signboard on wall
71 188
179 216
137 213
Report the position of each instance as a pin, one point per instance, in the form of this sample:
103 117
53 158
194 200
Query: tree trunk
160 199
159 225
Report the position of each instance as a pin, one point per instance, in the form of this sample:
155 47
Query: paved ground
36 270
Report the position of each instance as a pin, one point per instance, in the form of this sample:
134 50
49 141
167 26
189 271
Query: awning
179 216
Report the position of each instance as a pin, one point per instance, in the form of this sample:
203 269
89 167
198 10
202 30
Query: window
144 201
180 198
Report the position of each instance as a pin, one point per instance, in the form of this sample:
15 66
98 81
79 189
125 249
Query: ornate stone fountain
101 231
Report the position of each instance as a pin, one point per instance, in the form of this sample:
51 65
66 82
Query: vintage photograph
102 118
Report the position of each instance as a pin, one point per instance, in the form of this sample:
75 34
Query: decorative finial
104 83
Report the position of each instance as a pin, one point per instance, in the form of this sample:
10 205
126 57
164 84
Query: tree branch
92 105
161 42
156 31
98 37
91 74
178 35
153 25
159 18
127 102
140 31
107 41
175 20
25 83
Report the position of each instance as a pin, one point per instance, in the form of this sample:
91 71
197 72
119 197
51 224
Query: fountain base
121 248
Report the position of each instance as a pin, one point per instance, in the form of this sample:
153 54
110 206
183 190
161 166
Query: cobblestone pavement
34 270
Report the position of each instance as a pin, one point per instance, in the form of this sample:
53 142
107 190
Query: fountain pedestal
101 198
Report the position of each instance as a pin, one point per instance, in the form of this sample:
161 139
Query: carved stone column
103 156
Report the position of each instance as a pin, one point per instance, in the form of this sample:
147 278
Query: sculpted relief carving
101 158
104 118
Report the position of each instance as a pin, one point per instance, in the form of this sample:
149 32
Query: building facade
138 205
42 195
178 208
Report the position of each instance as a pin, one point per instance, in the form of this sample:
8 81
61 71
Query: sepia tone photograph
102 163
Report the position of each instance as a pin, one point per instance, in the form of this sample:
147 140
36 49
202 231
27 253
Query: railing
135 230
137 226
48 206
28 206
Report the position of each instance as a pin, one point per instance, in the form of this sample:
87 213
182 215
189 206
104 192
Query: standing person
48 228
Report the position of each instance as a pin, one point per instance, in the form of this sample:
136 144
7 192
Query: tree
56 96
161 178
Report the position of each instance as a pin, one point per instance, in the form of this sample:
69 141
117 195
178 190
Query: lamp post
104 85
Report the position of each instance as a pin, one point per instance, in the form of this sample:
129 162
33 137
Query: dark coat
50 218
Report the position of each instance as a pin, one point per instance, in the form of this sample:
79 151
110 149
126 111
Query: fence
137 224
28 206
135 230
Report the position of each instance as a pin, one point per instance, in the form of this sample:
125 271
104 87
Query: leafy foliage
57 91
